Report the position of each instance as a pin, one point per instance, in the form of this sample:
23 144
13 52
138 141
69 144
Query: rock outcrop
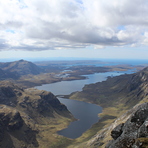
128 134
10 118
116 132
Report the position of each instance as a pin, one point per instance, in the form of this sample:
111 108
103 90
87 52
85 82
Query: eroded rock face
12 126
10 118
126 135
9 93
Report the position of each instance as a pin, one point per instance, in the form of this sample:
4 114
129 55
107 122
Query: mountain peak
21 67
21 60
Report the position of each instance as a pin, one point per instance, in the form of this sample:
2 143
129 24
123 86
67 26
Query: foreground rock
130 133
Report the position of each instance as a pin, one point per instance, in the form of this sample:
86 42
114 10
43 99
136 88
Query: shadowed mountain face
24 112
7 75
20 67
3 74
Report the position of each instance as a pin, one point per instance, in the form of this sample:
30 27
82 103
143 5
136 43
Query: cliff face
25 114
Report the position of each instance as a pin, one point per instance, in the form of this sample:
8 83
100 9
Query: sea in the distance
86 113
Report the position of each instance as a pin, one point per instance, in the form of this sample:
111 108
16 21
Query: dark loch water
87 114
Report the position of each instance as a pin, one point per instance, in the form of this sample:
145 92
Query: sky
74 28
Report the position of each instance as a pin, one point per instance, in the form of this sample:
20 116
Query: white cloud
59 24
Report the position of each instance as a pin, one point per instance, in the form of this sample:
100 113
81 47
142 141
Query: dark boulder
117 131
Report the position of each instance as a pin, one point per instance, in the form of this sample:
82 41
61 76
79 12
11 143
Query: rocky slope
25 116
134 132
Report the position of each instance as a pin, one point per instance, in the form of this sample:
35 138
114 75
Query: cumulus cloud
60 24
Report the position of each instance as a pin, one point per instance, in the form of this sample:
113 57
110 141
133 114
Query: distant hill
21 67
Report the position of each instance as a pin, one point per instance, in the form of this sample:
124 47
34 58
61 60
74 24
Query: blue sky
74 28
